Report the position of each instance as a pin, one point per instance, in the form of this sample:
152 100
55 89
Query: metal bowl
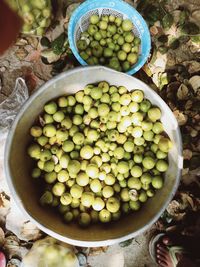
26 194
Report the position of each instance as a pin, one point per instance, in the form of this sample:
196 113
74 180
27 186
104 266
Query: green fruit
68 146
74 166
50 108
46 198
76 191
146 178
164 144
96 93
124 194
161 165
142 196
58 189
154 114
113 205
68 216
78 138
134 205
94 19
122 55
84 219
134 183
62 176
136 171
104 216
87 199
66 123
36 131
92 171
122 167
108 52
98 204
95 185
103 25
82 179
132 58
62 102
148 162
129 37
127 25
157 182
42 140
65 199
94 216
36 172
34 151
49 130
97 51
86 152
50 177
110 179
45 155
107 191
49 166
64 161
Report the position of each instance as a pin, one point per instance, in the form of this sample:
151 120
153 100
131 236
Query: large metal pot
26 194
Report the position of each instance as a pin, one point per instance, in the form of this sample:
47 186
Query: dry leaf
195 83
34 55
4 207
33 41
153 30
2 237
174 209
21 53
181 118
41 120
188 104
192 176
187 154
29 231
97 250
13 263
21 42
185 171
13 248
182 92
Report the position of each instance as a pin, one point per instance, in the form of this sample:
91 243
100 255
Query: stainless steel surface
26 194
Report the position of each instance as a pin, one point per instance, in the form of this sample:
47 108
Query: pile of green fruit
101 153
109 41
35 13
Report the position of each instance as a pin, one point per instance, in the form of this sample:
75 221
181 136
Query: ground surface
173 70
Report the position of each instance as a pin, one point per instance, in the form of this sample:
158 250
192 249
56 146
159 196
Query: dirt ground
173 71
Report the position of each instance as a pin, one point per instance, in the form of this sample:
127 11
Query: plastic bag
11 105
37 15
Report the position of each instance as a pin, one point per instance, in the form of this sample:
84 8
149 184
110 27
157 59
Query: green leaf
45 42
163 38
196 39
57 44
152 13
175 44
190 28
183 16
167 21
126 243
162 49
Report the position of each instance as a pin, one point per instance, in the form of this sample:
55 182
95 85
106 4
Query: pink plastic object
2 260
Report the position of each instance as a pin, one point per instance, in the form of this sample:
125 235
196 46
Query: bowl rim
135 68
19 202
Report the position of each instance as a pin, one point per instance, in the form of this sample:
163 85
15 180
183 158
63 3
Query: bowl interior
26 193
80 21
